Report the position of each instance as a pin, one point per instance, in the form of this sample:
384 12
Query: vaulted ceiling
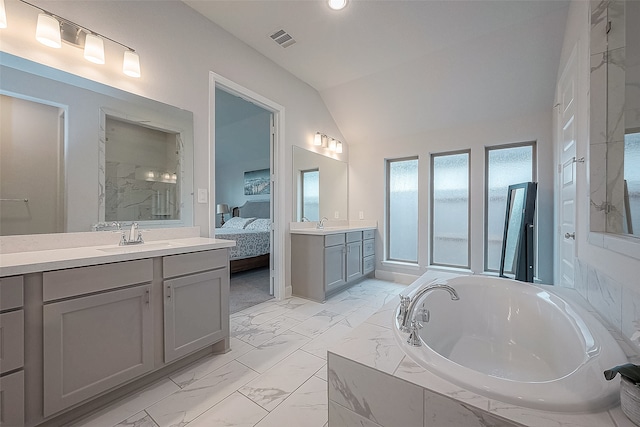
384 67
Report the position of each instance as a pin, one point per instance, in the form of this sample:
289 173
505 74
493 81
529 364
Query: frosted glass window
450 209
631 223
505 166
311 195
402 210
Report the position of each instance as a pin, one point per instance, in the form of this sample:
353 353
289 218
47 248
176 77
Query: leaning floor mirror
517 260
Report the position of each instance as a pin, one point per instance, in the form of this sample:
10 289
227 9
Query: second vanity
96 322
327 260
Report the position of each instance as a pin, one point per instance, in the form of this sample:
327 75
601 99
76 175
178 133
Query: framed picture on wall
257 182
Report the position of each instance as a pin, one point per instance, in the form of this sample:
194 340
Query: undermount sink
138 248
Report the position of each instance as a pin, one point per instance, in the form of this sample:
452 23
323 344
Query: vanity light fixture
52 29
324 141
3 15
337 4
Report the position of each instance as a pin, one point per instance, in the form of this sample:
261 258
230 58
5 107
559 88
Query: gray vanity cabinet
11 351
354 255
196 312
98 341
324 264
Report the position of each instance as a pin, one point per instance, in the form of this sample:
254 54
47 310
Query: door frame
277 171
570 68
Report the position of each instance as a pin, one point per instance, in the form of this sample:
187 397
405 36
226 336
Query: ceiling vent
283 38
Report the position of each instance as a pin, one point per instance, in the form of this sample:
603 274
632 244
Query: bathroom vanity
325 261
85 325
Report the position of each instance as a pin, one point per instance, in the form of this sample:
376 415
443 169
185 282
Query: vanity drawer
194 262
334 239
368 234
84 280
368 247
11 294
11 340
354 236
368 264
12 400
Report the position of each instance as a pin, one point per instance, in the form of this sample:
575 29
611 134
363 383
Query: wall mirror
320 185
517 260
615 117
97 154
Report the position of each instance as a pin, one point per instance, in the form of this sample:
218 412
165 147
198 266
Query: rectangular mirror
320 185
91 156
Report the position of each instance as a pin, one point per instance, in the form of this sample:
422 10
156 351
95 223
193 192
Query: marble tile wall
616 303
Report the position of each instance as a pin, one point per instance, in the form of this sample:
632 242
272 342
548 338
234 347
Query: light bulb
3 15
48 31
131 64
94 49
337 4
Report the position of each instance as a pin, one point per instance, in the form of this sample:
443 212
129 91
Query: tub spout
406 316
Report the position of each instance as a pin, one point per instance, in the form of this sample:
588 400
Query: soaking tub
518 343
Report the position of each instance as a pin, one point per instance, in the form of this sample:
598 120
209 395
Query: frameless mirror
78 153
320 185
517 245
615 117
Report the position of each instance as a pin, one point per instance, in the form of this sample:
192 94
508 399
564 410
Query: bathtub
517 343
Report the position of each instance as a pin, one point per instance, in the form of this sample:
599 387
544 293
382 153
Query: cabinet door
334 269
12 400
196 312
354 260
11 340
94 343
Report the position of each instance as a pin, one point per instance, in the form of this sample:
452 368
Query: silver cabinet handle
570 235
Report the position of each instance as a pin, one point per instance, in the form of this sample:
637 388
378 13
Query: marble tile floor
274 375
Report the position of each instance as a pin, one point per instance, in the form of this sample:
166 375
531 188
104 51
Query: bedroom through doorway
243 196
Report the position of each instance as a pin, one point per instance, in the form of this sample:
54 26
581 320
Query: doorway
238 117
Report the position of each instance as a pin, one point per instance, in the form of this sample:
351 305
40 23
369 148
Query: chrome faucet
406 317
133 239
321 223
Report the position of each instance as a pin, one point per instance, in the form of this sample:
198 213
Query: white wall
609 280
367 181
178 48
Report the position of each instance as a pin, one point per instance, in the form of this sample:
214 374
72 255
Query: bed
250 227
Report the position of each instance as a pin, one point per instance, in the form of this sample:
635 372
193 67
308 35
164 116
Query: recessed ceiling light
337 4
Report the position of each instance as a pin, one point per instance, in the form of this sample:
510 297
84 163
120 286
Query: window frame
387 244
466 151
534 169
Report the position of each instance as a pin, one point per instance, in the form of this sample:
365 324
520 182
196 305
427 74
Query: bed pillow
260 224
237 222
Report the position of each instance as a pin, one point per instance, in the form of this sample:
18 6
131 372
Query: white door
567 173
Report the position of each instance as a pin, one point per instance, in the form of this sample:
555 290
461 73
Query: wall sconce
339 147
52 30
222 209
333 144
317 139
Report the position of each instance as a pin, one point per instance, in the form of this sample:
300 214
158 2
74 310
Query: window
310 196
402 210
631 204
505 165
450 209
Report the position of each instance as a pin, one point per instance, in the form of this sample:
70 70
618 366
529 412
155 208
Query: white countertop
12 264
331 228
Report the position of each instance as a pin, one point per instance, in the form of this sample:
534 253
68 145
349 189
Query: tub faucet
321 223
406 317
133 239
